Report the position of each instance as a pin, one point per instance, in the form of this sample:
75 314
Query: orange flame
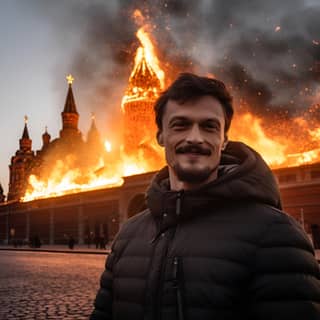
108 146
145 82
279 143
146 63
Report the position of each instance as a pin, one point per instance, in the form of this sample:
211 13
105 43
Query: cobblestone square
39 285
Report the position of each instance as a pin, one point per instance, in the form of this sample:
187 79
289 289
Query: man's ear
160 138
225 143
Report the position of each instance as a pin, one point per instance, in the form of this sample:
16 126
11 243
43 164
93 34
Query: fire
146 63
147 51
139 154
63 179
247 128
281 143
108 146
66 179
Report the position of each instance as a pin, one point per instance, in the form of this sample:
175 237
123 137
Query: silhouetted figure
71 242
88 240
35 242
106 234
97 241
102 242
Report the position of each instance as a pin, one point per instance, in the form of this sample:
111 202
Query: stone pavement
77 249
52 282
59 248
48 285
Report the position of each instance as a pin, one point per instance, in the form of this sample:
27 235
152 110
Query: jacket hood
243 176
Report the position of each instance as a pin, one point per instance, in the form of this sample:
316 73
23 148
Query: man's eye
179 125
212 126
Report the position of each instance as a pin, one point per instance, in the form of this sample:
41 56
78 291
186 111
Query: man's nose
194 135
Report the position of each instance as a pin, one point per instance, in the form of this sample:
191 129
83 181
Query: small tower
94 147
70 115
93 136
45 139
25 142
20 166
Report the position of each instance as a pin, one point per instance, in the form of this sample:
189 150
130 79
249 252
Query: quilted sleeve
286 279
103 302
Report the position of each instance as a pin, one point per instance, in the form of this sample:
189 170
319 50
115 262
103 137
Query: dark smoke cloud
238 41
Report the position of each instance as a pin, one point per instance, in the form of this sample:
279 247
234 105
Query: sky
267 51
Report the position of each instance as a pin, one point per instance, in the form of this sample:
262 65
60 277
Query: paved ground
42 285
59 248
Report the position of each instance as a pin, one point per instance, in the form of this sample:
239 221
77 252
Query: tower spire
45 138
70 105
25 142
25 134
70 115
93 137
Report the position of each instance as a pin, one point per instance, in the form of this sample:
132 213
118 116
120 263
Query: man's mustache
194 148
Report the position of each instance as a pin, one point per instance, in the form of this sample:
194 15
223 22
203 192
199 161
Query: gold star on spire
70 78
93 116
25 119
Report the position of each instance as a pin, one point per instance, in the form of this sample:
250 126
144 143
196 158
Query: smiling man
213 242
193 136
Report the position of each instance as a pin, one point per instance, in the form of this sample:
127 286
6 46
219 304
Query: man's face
193 137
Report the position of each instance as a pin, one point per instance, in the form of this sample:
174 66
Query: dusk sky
274 45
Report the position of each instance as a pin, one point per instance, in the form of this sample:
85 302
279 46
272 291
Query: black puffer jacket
224 251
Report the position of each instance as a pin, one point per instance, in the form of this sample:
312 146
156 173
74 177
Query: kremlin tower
70 117
26 162
137 105
21 164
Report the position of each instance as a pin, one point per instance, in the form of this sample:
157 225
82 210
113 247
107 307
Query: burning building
84 188
26 162
44 188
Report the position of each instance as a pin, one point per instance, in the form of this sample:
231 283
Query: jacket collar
243 176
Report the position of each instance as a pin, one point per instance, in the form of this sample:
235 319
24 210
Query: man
213 243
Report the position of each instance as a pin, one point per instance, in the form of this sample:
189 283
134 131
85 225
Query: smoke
268 52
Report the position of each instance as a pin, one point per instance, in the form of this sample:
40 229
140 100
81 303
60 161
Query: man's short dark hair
188 87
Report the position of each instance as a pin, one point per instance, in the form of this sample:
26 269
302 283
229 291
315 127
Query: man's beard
193 176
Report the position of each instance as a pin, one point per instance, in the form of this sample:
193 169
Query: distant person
88 239
102 242
71 242
106 235
213 243
36 241
97 241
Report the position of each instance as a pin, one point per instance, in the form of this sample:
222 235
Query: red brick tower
70 117
20 166
139 123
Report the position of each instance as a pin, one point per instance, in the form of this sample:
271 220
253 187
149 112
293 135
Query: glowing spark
107 145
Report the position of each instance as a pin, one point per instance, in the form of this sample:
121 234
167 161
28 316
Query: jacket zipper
177 286
164 259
